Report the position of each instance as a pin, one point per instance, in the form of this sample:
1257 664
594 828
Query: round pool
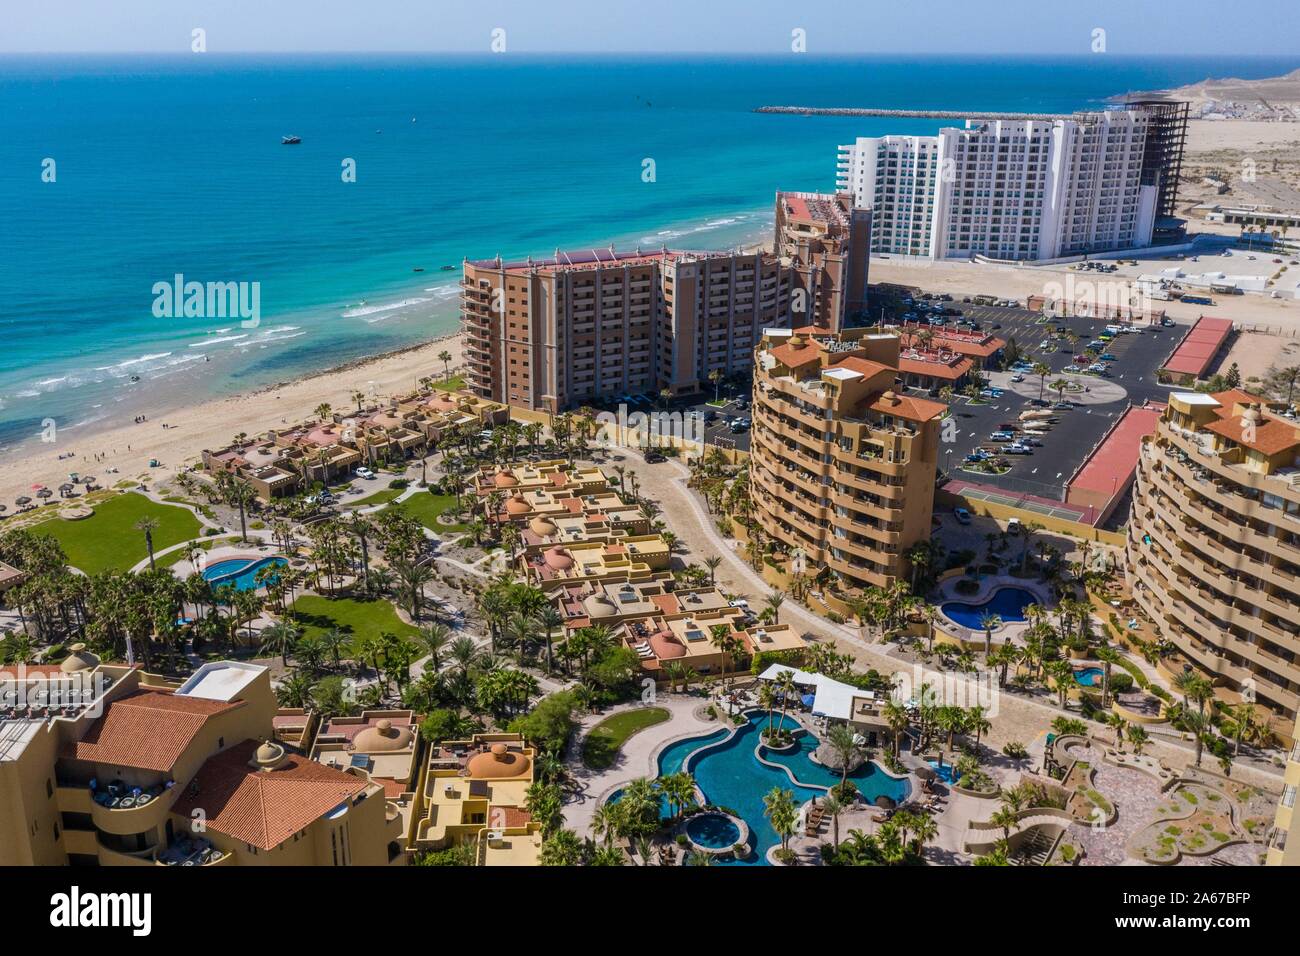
715 831
1007 603
1089 676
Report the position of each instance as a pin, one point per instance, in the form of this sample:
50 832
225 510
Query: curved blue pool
241 573
730 776
713 830
1007 603
1089 676
943 771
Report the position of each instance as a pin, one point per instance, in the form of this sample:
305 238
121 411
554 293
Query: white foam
385 307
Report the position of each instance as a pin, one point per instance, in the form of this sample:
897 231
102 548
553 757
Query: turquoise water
240 572
171 165
1007 603
1089 676
730 776
871 781
713 830
943 771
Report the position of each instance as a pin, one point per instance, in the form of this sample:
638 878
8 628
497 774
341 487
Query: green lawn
108 539
425 508
378 498
453 384
358 618
606 739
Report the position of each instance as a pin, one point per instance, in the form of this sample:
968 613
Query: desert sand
212 424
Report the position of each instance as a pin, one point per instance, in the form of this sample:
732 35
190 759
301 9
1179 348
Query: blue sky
686 26
752 26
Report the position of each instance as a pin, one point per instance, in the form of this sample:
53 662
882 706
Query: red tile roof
907 407
855 363
935 369
794 357
264 807
146 730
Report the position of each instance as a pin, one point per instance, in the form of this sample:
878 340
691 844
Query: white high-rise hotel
1008 188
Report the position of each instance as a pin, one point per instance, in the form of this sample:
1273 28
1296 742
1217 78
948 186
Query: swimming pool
1007 603
730 776
943 771
1088 677
241 573
716 831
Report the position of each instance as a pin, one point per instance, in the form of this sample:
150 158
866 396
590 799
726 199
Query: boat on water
290 140
418 269
447 269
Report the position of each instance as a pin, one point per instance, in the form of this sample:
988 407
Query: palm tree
767 700
436 638
1198 725
712 562
898 719
333 641
445 358
772 606
977 723
549 620
280 638
148 526
1247 725
1137 736
834 806
1108 656
1042 371
843 742
779 808
990 623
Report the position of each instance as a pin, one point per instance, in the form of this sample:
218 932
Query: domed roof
503 479
268 756
542 527
498 763
599 605
79 660
381 737
558 558
516 505
665 646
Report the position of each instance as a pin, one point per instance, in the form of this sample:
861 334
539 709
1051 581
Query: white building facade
1006 189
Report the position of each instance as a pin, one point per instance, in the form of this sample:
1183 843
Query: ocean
167 166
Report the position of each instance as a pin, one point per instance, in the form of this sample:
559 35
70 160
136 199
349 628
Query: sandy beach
212 424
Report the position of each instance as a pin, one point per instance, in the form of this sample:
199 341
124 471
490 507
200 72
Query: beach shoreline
177 438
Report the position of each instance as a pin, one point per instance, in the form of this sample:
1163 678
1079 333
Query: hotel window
1288 796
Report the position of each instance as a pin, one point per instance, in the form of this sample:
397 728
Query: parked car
364 472
654 458
1109 357
962 515
1018 377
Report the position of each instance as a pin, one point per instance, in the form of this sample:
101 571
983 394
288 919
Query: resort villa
473 793
278 463
632 558
383 743
107 765
554 477
664 626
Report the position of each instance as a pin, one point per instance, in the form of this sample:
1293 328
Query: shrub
1015 750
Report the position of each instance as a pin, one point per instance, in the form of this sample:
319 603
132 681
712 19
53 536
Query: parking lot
1068 442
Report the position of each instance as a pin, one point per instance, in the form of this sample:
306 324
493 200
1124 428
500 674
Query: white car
365 473
740 603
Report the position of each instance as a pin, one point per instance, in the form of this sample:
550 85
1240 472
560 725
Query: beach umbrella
3 507
885 803
22 500
925 772
44 493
